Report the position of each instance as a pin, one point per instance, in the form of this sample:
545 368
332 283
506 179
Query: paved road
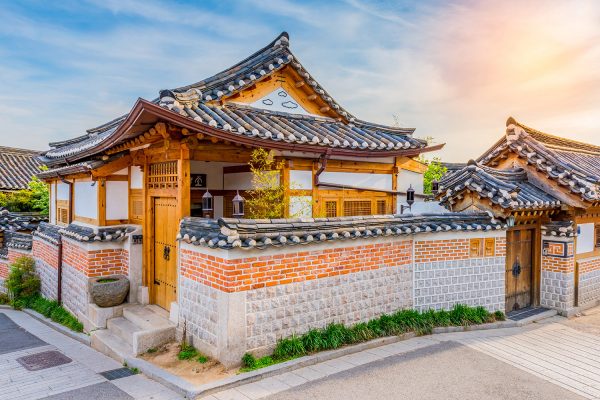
37 362
447 370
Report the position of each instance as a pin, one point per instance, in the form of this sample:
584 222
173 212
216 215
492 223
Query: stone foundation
558 290
474 282
198 305
74 290
49 279
589 281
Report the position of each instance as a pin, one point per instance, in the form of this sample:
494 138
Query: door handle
166 253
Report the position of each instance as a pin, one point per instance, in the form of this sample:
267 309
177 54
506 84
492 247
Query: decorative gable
280 100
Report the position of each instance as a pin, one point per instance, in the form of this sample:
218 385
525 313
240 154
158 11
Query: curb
80 337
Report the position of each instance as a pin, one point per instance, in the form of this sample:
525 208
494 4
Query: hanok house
547 187
119 192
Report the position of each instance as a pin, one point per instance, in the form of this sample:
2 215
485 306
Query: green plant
134 370
22 281
313 340
435 171
187 353
106 280
152 350
4 299
267 198
289 348
202 359
35 198
249 361
499 316
51 309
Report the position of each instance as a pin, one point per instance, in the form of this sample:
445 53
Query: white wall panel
407 178
117 200
363 180
86 199
62 191
53 203
301 180
137 178
585 238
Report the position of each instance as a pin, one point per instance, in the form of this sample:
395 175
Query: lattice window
63 216
357 207
162 175
476 248
331 209
381 207
489 247
136 206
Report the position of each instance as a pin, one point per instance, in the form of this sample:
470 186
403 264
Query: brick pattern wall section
74 290
3 269
589 281
199 309
475 282
441 250
558 279
265 271
14 254
279 311
46 252
96 262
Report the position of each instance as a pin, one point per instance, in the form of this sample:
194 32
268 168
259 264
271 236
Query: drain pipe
323 161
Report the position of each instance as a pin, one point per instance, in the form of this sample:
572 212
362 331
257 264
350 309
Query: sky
454 70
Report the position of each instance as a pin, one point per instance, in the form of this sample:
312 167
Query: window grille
381 207
162 175
331 209
357 207
62 212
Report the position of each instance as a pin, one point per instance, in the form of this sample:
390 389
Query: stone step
123 328
113 346
148 317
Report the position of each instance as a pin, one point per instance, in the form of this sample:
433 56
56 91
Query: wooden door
519 269
165 224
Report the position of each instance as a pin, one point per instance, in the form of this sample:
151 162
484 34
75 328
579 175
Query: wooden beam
101 202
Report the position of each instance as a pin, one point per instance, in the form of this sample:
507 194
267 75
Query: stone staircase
141 327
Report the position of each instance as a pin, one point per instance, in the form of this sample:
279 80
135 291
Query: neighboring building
17 167
548 188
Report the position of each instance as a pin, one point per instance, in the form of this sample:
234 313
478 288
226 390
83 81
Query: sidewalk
63 368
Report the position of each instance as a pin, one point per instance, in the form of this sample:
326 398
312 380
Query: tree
267 198
435 172
36 198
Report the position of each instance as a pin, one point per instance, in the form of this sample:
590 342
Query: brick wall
3 269
441 250
280 269
96 262
46 252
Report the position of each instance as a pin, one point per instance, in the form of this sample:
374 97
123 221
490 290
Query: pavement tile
291 379
231 394
309 373
254 390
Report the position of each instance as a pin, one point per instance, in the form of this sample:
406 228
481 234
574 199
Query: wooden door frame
536 258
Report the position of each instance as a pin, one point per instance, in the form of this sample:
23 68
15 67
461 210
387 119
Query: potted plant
109 291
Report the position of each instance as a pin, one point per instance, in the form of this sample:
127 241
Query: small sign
198 181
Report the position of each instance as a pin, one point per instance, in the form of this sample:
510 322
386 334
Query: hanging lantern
238 205
207 202
410 196
435 187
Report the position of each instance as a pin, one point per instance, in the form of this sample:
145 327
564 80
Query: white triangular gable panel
280 100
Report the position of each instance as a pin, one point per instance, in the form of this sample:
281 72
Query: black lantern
410 196
238 205
435 187
207 203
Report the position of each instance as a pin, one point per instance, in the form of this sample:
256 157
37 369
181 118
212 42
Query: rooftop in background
17 167
289 111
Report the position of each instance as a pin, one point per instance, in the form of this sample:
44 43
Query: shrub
313 340
249 361
4 299
202 359
22 282
51 309
499 316
289 348
187 352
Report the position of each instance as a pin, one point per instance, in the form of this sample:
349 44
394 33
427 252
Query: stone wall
198 308
74 290
589 281
557 289
46 264
3 274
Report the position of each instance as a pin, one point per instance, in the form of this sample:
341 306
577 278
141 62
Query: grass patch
51 309
202 359
187 352
334 336
107 280
152 350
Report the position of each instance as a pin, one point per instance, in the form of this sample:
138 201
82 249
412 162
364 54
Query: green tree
267 198
35 198
435 171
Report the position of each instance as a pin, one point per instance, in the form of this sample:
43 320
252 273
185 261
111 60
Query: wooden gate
165 224
519 269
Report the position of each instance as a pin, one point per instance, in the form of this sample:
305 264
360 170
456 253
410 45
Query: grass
107 280
188 352
51 309
152 350
334 336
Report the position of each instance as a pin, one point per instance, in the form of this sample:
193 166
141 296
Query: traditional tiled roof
17 167
13 221
85 234
228 233
573 165
509 189
17 240
48 232
559 229
199 103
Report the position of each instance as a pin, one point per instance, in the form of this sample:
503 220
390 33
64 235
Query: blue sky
453 70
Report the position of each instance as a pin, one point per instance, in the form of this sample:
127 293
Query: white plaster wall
301 180
213 171
117 200
370 181
300 206
585 238
53 203
62 191
86 199
238 181
137 178
407 178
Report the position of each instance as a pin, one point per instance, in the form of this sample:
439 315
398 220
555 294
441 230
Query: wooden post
315 191
101 182
395 172
183 186
285 182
